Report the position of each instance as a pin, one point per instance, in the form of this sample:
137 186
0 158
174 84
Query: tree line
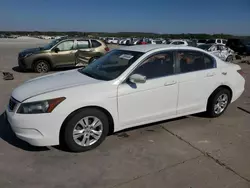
122 34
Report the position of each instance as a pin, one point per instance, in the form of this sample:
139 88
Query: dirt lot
187 152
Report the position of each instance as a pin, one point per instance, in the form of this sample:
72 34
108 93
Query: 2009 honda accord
127 87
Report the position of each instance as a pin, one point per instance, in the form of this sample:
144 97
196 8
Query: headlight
27 55
39 107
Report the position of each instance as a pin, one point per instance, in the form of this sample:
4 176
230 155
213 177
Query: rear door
84 51
198 78
98 48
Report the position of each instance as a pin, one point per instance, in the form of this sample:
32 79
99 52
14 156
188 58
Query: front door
197 80
154 100
64 54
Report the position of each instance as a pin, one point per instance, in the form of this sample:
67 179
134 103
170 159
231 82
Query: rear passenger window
82 44
181 42
95 43
209 62
194 61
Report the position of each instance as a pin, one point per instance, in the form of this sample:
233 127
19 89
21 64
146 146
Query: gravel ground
187 152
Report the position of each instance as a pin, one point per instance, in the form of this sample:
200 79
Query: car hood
51 83
30 50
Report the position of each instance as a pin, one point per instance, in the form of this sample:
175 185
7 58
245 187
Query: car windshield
111 65
204 46
51 44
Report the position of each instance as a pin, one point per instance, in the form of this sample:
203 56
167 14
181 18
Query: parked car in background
127 41
60 53
216 41
219 50
157 41
125 88
141 41
3 36
182 42
241 46
85 56
201 41
177 42
112 40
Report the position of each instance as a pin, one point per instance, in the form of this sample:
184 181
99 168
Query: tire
83 140
42 66
93 59
221 93
229 58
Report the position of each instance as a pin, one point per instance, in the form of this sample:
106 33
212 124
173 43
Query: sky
158 16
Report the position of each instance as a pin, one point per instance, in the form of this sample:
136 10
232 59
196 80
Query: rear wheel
42 66
229 58
85 130
218 102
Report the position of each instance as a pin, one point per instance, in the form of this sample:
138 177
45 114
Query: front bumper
36 129
21 64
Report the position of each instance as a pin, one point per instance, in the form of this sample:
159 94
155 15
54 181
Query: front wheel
218 102
42 66
229 58
86 130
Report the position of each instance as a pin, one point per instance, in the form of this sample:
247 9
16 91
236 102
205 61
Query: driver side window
158 65
66 46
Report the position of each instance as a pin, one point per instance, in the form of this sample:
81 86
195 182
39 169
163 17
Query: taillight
107 49
240 72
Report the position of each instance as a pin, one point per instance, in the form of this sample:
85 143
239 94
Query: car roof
149 47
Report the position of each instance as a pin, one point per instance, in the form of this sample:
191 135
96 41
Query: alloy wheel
87 131
42 67
221 104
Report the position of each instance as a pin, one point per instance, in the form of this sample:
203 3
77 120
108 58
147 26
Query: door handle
210 74
170 83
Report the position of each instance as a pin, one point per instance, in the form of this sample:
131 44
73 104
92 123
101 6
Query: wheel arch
218 88
105 111
42 58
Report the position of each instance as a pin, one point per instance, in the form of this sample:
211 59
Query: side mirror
137 78
56 50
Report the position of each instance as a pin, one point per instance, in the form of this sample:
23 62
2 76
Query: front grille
12 104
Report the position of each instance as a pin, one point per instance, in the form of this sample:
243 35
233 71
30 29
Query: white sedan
125 88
